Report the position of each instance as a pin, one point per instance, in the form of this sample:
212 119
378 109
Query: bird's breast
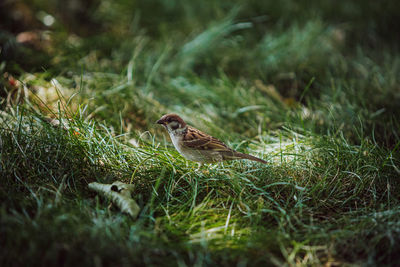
176 140
186 152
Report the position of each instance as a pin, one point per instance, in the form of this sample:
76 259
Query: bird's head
172 122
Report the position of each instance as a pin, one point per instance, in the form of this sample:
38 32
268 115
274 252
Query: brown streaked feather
201 141
196 139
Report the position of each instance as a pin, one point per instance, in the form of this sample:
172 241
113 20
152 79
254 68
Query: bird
198 146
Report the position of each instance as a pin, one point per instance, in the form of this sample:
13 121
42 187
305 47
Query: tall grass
290 84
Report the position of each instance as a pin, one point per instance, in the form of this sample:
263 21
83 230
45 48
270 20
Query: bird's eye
174 125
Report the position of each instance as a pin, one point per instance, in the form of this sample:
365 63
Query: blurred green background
348 49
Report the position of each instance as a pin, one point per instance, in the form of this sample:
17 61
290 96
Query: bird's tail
238 155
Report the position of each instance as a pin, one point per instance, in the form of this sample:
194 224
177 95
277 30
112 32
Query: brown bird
197 146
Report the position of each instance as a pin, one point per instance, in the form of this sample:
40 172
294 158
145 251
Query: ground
314 92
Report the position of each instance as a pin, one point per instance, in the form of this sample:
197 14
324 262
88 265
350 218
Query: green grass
307 91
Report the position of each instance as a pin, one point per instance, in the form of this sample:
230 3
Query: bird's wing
198 140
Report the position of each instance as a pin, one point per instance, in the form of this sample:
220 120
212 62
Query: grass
308 92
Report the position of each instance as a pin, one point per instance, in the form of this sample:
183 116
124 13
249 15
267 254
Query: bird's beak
160 121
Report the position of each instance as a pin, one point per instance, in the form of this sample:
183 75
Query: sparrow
197 146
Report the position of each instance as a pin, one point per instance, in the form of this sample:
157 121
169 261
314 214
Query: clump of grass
292 85
230 206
